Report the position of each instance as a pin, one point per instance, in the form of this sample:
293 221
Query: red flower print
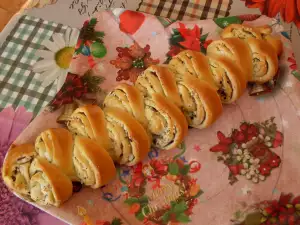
260 150
220 148
159 168
223 139
252 131
197 148
174 50
289 9
138 177
235 169
278 139
132 61
238 136
74 87
274 161
264 169
293 62
192 38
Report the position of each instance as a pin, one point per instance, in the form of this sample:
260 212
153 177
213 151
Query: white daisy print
57 58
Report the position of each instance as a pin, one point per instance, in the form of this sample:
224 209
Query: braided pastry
228 78
192 63
130 141
89 121
15 170
201 104
235 49
93 164
159 79
56 146
128 98
48 184
167 124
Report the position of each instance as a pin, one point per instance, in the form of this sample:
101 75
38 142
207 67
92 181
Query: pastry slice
128 98
130 141
15 170
264 59
167 123
235 49
89 121
191 63
159 79
228 78
243 31
48 184
56 146
202 105
93 165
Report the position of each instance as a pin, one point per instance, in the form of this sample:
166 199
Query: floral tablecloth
27 84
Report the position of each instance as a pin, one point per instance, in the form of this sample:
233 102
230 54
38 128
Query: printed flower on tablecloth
288 9
90 42
57 58
285 211
163 191
247 151
293 66
132 61
77 87
184 38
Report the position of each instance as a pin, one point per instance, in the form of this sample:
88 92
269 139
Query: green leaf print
224 22
173 168
183 218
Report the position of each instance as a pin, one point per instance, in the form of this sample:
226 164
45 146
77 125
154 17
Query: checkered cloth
186 9
18 84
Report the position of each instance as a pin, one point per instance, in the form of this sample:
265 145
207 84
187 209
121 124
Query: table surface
57 17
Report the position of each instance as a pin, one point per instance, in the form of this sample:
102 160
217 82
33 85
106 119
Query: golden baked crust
48 184
235 49
228 77
202 104
159 79
56 146
128 98
89 121
192 63
166 122
93 164
264 58
242 31
130 141
15 170
275 42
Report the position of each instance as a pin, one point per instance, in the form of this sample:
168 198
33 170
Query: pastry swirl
89 121
159 79
191 63
242 31
15 170
201 103
128 98
56 146
130 141
48 184
264 59
228 78
93 165
167 123
235 49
